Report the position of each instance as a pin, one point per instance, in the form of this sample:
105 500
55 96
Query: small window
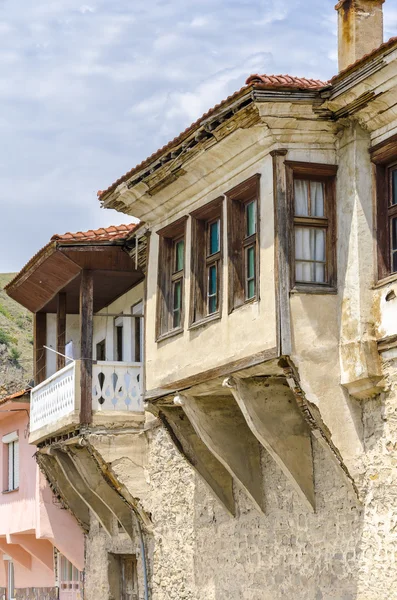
10 581
11 447
101 350
313 260
391 225
206 261
69 577
137 331
171 273
243 240
119 338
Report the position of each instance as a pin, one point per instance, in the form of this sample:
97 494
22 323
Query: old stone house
265 269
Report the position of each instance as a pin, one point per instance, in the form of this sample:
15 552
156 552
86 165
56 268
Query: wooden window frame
326 174
167 278
237 200
384 159
202 261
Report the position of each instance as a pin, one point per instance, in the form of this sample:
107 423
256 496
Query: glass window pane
394 187
310 254
251 289
212 289
250 216
317 198
177 304
301 195
250 262
214 237
212 280
179 255
394 245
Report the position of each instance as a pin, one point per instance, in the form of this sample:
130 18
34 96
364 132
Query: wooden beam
282 231
39 352
94 503
271 411
61 329
211 471
219 423
89 471
86 332
69 496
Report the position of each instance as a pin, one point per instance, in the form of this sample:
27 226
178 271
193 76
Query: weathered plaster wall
247 330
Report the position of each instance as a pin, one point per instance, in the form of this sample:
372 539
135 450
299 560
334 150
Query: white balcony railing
116 386
54 399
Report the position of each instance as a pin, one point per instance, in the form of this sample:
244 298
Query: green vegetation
16 352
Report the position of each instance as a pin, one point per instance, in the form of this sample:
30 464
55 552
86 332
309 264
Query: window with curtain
206 261
310 229
313 239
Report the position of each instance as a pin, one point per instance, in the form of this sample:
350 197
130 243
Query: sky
89 90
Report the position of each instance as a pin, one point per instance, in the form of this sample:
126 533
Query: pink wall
31 512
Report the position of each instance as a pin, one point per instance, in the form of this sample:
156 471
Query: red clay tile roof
286 81
104 234
385 46
14 396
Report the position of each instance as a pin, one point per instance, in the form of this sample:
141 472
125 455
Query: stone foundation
36 594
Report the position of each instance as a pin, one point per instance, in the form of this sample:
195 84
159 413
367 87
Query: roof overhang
57 269
15 403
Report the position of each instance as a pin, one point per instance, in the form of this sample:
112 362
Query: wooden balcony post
86 331
39 352
61 330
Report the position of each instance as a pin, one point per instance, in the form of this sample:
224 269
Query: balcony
116 399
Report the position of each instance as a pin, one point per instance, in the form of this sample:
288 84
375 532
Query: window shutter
11 466
16 464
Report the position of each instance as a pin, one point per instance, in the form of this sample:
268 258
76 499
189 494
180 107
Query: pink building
41 544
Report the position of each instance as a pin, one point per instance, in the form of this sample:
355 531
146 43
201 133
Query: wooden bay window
384 157
311 191
243 242
206 262
171 274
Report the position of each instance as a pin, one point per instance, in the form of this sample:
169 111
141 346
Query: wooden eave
58 269
168 165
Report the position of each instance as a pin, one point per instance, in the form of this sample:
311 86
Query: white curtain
301 194
310 254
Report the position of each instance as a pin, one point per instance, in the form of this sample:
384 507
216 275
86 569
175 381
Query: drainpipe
144 565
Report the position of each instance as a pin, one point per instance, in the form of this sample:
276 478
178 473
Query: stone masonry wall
345 551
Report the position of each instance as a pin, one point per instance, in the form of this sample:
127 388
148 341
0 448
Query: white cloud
90 89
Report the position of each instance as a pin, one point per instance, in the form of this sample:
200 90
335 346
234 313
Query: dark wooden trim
237 198
222 371
164 314
282 177
61 329
39 352
310 170
327 174
198 266
86 333
385 151
173 229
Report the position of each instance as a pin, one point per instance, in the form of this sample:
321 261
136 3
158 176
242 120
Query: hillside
16 342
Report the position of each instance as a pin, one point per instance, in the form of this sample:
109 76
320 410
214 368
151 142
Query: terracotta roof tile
14 396
385 46
286 81
103 234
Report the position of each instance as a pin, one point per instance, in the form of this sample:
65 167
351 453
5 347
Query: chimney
360 29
